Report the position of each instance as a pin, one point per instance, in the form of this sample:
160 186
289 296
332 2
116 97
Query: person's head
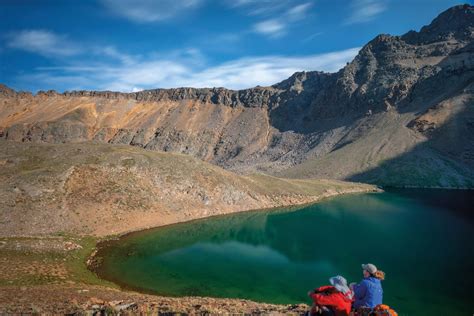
340 283
370 270
366 273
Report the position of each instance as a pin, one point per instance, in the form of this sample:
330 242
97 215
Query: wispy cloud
102 67
267 70
54 45
112 52
278 26
42 42
273 27
311 37
261 7
365 10
146 11
298 12
147 73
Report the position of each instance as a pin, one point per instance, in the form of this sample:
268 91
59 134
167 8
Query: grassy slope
97 189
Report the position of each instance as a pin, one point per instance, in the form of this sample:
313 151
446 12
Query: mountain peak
455 23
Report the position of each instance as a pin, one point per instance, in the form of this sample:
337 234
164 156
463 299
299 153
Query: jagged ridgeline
401 113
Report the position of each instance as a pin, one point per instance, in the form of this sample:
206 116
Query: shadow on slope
446 159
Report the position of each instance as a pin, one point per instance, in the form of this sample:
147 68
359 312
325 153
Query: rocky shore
91 300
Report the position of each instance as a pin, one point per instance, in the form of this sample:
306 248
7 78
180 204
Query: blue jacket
368 293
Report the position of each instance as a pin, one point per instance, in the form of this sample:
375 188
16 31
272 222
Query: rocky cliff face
402 99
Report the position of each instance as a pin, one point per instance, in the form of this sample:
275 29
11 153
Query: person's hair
379 274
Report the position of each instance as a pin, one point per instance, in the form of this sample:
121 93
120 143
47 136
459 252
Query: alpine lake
422 238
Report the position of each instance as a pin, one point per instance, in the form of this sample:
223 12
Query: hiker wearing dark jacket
369 293
335 299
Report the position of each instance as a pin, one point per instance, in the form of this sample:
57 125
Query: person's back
335 299
338 302
368 293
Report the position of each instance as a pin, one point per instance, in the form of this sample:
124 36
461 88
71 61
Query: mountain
401 114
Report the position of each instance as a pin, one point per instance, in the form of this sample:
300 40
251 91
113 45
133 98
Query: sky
131 45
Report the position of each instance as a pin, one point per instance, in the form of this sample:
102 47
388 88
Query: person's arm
320 289
323 300
360 290
323 288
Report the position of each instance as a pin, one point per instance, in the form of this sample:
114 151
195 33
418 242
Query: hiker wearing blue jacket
369 293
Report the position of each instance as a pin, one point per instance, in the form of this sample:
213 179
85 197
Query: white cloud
168 73
260 7
365 10
55 45
299 12
112 52
268 70
42 42
238 3
311 37
278 26
271 27
145 11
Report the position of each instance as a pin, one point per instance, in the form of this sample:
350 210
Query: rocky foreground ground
74 299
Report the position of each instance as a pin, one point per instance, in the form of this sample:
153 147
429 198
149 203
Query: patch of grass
76 263
92 160
23 266
128 162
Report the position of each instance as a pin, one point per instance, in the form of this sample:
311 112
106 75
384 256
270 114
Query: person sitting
368 293
334 299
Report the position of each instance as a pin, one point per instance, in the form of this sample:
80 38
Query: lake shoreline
319 199
93 261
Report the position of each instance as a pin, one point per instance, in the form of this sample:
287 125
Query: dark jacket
368 293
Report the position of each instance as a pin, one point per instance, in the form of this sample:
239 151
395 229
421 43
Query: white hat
369 267
339 283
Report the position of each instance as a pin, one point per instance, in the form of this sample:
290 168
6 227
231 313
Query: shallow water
422 239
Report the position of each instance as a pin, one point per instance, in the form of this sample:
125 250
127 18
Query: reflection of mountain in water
320 228
245 227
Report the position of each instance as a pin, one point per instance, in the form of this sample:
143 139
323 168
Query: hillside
97 189
401 113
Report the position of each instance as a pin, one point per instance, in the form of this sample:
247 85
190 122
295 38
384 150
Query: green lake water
422 239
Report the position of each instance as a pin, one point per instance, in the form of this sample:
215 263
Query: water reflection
229 250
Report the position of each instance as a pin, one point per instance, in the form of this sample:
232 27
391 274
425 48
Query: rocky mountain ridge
402 98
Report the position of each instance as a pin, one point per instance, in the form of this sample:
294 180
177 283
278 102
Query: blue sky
127 45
